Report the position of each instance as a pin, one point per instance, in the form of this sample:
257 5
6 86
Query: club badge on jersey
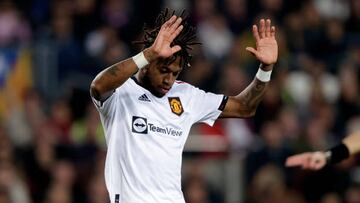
175 105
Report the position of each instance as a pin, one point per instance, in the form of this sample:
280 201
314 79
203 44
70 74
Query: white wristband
263 76
140 60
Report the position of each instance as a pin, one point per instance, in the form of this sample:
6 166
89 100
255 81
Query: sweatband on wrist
140 60
263 76
337 154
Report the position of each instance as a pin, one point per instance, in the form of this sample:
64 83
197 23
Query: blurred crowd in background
52 146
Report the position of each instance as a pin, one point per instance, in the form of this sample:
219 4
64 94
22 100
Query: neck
144 82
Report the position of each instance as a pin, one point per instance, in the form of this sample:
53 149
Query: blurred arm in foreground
317 160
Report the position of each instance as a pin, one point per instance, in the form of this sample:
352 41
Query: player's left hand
266 50
308 160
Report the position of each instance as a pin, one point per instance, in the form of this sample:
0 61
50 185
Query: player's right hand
308 160
161 48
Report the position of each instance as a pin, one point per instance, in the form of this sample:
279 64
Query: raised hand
308 160
266 50
161 48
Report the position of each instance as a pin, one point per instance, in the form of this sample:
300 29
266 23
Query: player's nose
169 79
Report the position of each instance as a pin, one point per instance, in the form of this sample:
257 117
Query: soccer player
147 114
317 160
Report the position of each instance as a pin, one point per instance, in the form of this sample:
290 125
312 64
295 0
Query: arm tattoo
111 78
251 96
112 70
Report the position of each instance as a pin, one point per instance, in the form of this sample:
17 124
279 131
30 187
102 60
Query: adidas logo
144 98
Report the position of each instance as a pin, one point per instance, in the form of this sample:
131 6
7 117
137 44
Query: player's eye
163 70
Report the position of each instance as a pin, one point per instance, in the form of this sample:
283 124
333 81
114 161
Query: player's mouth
164 90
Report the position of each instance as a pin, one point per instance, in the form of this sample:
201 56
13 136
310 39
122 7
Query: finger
262 28
176 33
256 33
175 49
294 161
272 31
267 27
160 38
291 163
252 50
305 165
169 22
175 25
297 160
307 162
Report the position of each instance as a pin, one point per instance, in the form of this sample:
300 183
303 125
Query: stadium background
51 142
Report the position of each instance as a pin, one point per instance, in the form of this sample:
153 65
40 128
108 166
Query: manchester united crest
176 106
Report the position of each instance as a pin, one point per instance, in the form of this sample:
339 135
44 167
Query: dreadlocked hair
185 39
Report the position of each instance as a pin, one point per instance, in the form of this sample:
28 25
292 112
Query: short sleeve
206 106
107 106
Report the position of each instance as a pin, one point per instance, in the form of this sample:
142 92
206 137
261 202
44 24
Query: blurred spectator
58 52
177 5
10 179
196 191
89 129
316 134
331 198
61 187
203 9
236 13
352 194
272 8
269 107
202 73
352 23
105 47
15 186
215 37
289 123
348 105
14 29
97 191
334 47
238 132
295 26
196 188
272 151
37 160
269 186
4 195
116 13
61 120
86 17
333 9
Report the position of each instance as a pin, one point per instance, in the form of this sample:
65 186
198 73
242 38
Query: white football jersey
145 137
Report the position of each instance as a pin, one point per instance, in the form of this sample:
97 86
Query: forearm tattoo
252 95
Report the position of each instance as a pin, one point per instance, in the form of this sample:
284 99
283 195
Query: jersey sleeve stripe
223 103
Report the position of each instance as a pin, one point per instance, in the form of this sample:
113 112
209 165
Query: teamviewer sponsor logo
139 125
142 126
167 131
